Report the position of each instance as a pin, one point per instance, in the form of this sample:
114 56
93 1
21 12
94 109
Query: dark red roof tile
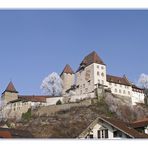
90 59
118 80
67 70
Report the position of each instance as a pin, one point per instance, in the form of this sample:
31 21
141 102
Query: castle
92 73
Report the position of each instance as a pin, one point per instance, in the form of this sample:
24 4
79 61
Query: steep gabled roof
67 70
11 88
118 80
93 57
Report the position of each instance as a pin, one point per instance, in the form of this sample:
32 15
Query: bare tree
52 85
143 81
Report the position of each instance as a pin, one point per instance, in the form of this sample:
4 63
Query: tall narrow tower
10 93
68 78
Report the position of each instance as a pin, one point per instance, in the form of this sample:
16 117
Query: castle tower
10 93
91 72
68 78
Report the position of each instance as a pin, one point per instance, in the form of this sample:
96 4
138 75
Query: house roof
119 80
93 57
67 70
124 128
10 88
135 88
33 98
118 124
14 133
140 123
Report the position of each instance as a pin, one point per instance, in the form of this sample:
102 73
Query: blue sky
38 42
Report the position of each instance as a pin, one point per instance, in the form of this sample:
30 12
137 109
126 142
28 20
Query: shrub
59 102
27 116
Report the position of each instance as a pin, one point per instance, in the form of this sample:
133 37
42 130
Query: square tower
91 72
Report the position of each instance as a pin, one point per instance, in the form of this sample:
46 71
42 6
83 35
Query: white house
110 128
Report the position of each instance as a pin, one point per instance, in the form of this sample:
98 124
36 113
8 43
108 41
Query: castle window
86 89
102 67
83 85
98 73
129 92
115 90
115 84
102 82
123 91
110 84
119 90
98 66
102 74
99 81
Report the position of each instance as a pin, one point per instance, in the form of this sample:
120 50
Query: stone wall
49 110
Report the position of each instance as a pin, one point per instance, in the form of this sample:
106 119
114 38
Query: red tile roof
10 88
90 59
118 80
137 89
14 133
140 123
34 98
67 70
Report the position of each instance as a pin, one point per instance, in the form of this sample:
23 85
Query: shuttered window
106 133
98 134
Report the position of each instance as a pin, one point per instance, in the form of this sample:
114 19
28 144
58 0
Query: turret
10 93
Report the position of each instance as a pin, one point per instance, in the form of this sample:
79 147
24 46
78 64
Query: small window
115 84
98 66
91 136
120 91
129 92
102 82
110 84
99 81
86 89
123 91
115 90
99 134
102 74
102 67
83 85
98 73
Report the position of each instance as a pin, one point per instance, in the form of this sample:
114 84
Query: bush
27 116
59 102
